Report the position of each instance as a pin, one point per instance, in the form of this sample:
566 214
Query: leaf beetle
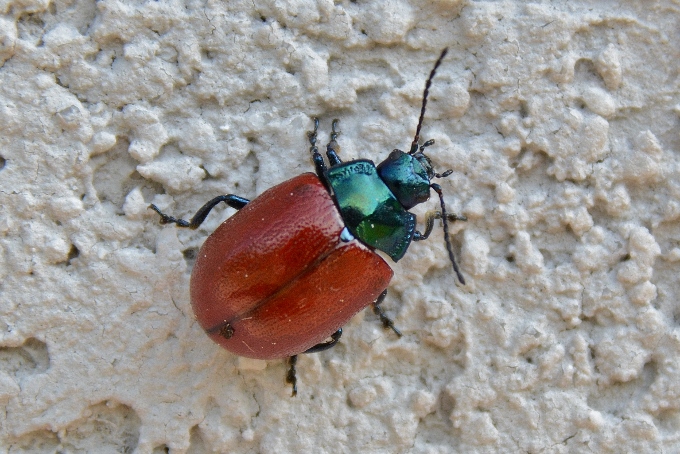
283 274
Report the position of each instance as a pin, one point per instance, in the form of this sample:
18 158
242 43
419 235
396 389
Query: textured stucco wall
560 122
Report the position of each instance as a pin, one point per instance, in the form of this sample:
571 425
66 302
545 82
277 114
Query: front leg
332 148
319 163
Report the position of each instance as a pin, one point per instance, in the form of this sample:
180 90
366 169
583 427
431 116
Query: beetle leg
386 321
332 149
429 223
335 337
232 200
316 156
290 376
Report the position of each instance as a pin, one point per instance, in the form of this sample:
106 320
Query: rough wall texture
560 122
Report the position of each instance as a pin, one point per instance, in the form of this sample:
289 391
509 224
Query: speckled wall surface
560 121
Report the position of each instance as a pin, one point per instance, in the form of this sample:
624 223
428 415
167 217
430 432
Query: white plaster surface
560 120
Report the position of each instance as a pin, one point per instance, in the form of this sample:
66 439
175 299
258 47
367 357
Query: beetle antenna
449 248
414 144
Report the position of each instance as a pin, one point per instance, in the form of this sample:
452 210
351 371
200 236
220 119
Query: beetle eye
395 154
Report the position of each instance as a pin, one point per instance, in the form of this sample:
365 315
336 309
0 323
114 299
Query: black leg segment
384 319
335 337
290 376
232 200
332 149
319 163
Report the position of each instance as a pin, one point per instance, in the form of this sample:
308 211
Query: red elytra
279 275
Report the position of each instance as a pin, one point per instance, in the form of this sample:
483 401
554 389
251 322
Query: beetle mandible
283 275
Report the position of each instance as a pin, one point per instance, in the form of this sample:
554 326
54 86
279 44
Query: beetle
283 274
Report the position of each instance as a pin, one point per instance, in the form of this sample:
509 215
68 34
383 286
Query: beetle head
407 176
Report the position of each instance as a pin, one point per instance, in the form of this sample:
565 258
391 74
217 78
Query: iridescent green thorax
407 176
370 210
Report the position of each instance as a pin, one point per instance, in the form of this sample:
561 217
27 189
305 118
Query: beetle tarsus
428 143
384 319
334 129
291 377
167 219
